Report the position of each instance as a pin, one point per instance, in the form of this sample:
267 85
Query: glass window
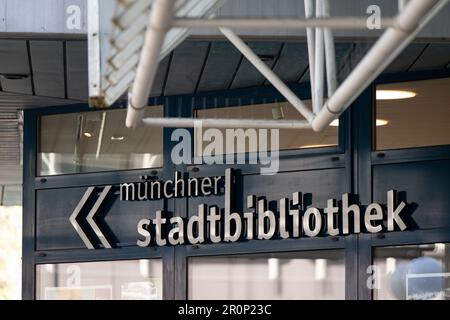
106 280
413 114
97 141
289 139
296 275
416 272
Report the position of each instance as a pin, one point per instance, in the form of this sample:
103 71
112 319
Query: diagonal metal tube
159 23
268 73
310 34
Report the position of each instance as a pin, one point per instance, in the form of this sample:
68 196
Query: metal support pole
347 23
309 11
159 23
227 123
268 73
319 70
330 52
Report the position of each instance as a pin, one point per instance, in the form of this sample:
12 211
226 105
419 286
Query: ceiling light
334 123
87 134
394 94
316 146
380 123
117 138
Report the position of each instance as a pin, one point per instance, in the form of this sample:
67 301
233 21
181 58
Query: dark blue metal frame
354 153
366 158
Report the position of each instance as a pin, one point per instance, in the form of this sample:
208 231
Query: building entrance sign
290 218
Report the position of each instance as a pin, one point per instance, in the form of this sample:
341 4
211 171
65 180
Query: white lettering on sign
263 221
73 19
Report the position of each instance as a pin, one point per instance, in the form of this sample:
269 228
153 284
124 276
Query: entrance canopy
144 32
44 60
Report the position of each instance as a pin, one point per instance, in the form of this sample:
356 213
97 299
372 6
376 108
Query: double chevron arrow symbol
90 218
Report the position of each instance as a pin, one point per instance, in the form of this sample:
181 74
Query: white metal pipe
94 61
100 136
227 123
319 71
268 73
310 35
330 52
158 24
349 23
385 50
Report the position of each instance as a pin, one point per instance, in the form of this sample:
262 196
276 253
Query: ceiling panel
293 62
247 75
221 62
435 56
160 77
77 70
186 66
14 62
15 101
407 58
352 57
17 85
47 61
14 57
342 50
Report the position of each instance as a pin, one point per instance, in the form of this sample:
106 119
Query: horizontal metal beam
334 23
226 123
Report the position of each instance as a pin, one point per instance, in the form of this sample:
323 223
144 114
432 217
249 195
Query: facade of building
380 145
358 211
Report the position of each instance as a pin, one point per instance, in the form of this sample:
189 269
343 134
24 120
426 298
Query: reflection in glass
296 275
416 272
107 280
416 114
97 141
289 139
